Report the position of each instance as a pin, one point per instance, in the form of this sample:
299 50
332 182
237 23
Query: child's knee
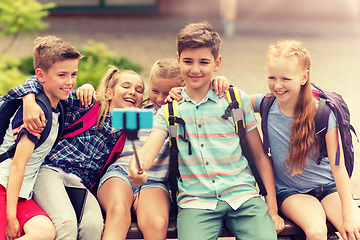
157 223
67 229
315 233
119 210
43 230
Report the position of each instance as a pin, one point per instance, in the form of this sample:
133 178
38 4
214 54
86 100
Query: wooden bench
291 229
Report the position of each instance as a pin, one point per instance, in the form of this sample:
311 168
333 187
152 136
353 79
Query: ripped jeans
51 196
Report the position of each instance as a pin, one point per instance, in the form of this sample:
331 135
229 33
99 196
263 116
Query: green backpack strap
235 107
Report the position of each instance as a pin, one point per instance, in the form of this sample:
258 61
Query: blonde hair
109 81
304 143
167 69
198 35
51 49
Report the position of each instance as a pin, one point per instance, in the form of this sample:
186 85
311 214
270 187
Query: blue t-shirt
279 131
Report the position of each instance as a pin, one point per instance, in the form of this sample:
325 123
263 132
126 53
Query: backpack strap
11 107
7 110
321 127
170 110
41 97
114 155
265 106
174 174
82 124
321 121
235 104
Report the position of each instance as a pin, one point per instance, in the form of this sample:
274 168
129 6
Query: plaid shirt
83 155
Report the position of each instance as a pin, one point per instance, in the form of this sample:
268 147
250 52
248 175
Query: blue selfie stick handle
133 119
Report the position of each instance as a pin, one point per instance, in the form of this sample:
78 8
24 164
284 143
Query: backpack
328 101
86 122
234 108
9 108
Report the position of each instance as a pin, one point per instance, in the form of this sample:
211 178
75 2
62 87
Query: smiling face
128 92
197 66
59 80
159 90
285 79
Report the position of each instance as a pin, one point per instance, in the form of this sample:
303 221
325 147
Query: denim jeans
50 194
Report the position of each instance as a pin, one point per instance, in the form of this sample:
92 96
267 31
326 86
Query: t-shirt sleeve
159 122
258 100
332 121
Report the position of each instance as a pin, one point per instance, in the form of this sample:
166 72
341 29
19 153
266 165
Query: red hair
304 144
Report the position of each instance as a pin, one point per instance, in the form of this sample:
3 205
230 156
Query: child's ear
178 58
109 93
305 77
40 75
217 63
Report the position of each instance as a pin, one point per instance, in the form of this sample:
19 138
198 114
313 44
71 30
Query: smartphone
132 118
77 198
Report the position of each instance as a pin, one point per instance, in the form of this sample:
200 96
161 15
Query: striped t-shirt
216 170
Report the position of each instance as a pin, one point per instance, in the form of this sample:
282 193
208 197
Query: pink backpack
86 122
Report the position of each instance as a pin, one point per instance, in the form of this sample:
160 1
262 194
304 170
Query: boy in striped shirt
216 186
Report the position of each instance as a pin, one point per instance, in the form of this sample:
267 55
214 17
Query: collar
210 95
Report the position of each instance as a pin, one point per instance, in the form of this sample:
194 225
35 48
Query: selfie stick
132 134
137 159
131 120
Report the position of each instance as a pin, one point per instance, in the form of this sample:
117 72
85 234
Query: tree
21 17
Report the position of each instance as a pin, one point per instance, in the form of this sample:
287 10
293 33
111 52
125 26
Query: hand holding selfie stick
131 120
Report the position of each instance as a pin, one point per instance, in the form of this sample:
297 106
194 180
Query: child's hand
33 116
134 176
351 229
220 85
278 221
174 94
12 229
86 93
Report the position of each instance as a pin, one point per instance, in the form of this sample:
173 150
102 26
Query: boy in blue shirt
216 186
56 66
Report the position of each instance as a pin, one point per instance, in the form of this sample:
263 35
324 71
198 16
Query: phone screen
77 197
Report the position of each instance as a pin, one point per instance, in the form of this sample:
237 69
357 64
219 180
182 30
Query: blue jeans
319 192
117 171
51 196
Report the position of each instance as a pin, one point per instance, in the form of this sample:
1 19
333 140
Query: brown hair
303 140
197 35
109 81
51 49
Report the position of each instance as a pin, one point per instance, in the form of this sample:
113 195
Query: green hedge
91 67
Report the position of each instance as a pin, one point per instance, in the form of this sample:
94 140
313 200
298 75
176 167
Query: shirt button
219 196
202 145
199 125
197 107
207 163
213 181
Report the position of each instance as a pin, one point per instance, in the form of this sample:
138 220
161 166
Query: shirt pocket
221 129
